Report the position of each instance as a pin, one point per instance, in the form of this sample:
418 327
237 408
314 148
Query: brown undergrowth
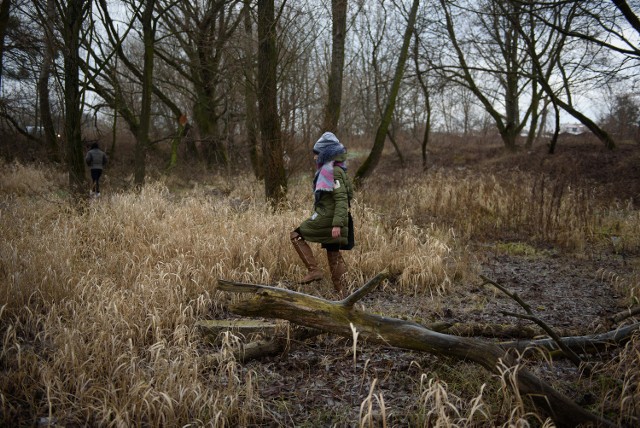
98 300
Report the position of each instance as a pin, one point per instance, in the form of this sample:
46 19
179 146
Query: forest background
486 137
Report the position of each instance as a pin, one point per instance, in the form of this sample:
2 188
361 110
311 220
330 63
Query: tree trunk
250 100
114 126
334 90
205 112
602 135
556 131
5 7
626 314
74 11
511 85
51 141
533 127
275 180
183 129
142 135
373 159
395 146
341 318
535 93
427 102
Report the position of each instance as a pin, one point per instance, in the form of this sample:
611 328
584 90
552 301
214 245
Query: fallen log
342 318
568 352
505 331
213 330
627 313
277 345
579 344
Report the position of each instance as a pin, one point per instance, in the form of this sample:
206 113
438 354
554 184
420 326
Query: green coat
331 210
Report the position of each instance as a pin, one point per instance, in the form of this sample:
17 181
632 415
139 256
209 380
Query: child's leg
95 176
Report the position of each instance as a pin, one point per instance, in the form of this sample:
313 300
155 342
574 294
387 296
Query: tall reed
98 299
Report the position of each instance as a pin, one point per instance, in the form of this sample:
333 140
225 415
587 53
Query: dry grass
517 205
98 300
437 404
19 180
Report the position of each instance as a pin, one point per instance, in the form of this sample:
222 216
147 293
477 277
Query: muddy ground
319 383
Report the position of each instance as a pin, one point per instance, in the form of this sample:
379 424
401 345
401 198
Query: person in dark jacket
330 222
96 159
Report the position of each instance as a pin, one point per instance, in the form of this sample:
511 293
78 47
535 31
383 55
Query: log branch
263 348
364 290
505 331
581 344
509 293
575 359
627 313
338 318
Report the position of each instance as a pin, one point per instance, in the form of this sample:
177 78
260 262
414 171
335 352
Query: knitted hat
327 147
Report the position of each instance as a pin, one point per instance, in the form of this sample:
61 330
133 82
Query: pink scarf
324 178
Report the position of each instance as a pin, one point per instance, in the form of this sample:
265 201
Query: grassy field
99 299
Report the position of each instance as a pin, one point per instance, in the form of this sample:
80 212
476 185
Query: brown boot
338 269
306 255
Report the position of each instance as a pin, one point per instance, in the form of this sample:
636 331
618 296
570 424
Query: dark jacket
330 210
96 159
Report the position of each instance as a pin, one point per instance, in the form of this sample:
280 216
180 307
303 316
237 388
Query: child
330 222
96 159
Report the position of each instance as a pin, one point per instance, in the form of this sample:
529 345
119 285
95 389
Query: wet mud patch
563 292
571 295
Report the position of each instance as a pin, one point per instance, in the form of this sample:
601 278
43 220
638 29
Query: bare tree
106 83
5 8
275 180
142 135
334 91
426 93
22 53
544 48
204 32
251 115
303 67
602 46
623 120
372 160
118 82
73 13
48 17
361 105
496 44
